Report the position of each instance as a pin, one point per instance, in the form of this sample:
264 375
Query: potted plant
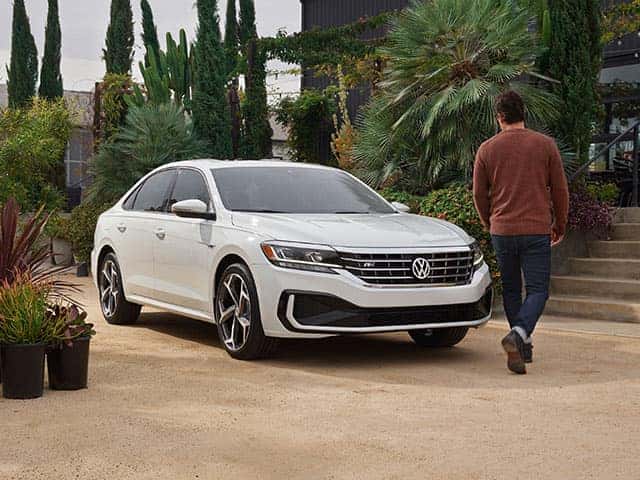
25 332
68 356
23 252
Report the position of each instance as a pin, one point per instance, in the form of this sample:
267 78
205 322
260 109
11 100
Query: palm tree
447 62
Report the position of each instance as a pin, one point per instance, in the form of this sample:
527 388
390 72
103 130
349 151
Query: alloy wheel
109 288
234 312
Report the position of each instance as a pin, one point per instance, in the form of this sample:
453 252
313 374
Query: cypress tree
575 59
231 38
247 29
118 51
257 131
50 77
149 34
22 74
231 51
210 109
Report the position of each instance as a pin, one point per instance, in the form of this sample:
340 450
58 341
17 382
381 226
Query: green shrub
32 145
412 201
455 204
81 226
307 118
604 192
153 135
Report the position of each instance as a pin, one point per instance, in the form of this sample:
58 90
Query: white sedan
269 249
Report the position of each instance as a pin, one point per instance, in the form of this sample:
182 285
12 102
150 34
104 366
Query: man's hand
556 238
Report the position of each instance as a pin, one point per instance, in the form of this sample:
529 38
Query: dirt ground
166 402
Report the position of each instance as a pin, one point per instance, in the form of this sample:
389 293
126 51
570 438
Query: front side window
153 195
295 190
190 185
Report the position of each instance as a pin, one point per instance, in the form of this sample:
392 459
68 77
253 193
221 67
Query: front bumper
342 304
315 312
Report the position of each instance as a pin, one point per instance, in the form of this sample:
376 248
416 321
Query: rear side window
190 185
153 195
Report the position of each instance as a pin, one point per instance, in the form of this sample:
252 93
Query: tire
439 337
118 311
240 331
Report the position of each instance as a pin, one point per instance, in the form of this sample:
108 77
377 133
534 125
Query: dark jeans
529 255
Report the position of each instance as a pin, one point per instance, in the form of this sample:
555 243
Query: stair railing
635 130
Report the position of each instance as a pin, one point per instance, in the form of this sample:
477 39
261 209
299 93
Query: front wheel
238 316
439 337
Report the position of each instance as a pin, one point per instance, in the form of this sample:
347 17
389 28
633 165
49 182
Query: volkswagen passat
269 249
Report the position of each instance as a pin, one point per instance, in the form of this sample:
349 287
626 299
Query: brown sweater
519 186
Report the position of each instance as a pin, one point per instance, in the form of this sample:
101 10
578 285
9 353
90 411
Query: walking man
520 191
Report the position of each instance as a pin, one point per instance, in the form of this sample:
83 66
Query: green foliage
327 46
231 39
23 314
256 132
22 74
153 135
447 62
575 60
247 28
605 192
306 117
455 204
149 35
414 202
211 117
32 142
81 227
118 51
50 77
116 88
620 19
170 80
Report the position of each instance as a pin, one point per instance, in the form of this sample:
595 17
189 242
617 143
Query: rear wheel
115 308
238 316
439 337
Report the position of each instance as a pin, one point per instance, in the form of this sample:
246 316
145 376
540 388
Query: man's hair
511 106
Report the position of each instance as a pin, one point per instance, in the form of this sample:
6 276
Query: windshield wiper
261 210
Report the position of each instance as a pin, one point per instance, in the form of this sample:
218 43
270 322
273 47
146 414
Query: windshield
295 190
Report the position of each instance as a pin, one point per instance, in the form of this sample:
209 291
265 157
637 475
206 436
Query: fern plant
447 62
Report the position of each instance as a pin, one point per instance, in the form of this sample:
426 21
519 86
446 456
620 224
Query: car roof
216 164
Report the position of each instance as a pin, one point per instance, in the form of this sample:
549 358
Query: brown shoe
514 346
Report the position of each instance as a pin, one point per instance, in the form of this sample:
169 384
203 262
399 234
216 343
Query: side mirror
401 207
193 209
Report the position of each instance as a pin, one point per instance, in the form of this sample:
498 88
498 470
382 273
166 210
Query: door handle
122 228
160 233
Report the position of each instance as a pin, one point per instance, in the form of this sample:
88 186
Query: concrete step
626 231
606 267
614 249
620 289
627 215
594 308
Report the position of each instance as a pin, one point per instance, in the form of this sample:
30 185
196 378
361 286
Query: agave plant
23 250
447 62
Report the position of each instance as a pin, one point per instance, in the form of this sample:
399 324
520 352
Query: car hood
356 231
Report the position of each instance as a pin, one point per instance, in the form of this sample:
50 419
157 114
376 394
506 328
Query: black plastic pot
68 366
82 270
22 370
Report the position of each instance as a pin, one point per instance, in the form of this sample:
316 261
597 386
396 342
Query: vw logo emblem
421 268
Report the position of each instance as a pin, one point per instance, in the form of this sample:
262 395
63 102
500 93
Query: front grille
447 268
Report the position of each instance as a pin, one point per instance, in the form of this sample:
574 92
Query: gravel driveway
165 401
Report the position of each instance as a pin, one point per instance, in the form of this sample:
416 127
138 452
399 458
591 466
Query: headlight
478 257
314 258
